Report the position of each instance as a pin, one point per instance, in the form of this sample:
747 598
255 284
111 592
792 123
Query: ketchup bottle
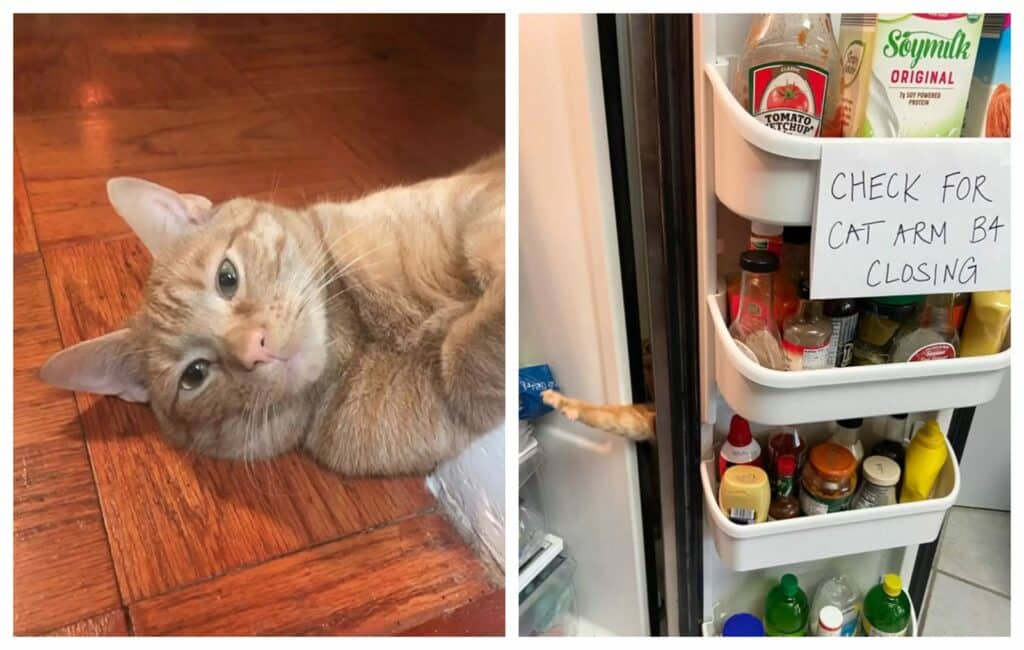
740 448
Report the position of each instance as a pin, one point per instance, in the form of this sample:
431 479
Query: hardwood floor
115 531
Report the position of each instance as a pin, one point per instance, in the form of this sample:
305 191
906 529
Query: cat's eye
227 279
195 374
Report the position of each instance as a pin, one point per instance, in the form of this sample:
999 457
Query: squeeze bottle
926 455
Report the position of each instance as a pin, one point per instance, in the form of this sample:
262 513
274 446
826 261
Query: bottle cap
743 625
892 585
851 423
745 476
739 432
785 465
930 435
759 261
833 462
898 300
766 229
796 234
830 618
790 585
881 471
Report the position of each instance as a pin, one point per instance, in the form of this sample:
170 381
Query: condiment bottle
754 328
739 448
789 74
830 621
878 488
784 503
843 312
786 442
926 455
932 336
988 320
886 609
960 302
744 495
879 321
828 480
848 434
769 237
786 608
806 334
893 442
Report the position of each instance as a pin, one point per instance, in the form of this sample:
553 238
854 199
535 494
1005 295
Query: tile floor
970 590
115 531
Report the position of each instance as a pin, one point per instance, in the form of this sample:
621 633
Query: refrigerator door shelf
774 397
771 177
553 545
711 628
802 539
530 459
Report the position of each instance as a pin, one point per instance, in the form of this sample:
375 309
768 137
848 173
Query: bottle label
788 96
934 351
872 495
870 630
840 346
784 486
812 505
742 516
804 358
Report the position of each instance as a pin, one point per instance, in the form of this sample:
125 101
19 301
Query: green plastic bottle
886 609
786 609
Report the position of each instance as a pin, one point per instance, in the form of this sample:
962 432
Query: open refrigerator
639 178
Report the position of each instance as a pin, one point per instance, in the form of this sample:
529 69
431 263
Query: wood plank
136 141
113 623
176 518
121 61
24 230
484 616
378 582
60 544
437 137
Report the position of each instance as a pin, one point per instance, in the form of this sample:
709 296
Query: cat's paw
552 398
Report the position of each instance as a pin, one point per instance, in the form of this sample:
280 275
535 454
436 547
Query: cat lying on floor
369 333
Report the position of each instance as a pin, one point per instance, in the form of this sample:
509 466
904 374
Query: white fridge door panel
572 317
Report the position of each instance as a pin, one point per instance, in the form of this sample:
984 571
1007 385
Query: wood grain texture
136 62
483 616
62 565
24 230
113 623
379 582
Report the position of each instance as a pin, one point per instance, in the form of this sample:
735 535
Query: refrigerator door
571 317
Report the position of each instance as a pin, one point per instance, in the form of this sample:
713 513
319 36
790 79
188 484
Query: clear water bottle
839 592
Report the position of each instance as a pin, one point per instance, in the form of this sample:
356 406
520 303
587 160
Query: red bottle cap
785 466
739 432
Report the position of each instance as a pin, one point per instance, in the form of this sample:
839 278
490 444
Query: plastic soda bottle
786 609
886 609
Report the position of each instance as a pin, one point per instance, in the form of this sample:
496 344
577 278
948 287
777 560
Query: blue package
533 381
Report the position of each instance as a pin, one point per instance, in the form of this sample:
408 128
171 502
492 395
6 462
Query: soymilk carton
988 105
921 75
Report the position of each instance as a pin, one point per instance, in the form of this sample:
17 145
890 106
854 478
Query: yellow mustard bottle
744 495
926 455
988 320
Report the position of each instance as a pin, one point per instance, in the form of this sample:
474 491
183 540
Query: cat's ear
104 365
158 215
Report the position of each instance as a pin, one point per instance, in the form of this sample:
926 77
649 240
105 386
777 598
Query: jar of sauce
828 480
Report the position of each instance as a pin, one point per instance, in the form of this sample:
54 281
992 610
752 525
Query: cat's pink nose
254 348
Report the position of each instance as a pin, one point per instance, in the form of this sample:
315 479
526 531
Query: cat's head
233 328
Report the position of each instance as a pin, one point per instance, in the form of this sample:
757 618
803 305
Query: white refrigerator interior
571 317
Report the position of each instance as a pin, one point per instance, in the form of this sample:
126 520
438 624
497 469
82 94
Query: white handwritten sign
918 218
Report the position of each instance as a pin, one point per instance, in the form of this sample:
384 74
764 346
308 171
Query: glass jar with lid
879 322
828 480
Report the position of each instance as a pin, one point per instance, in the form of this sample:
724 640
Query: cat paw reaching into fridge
632 421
